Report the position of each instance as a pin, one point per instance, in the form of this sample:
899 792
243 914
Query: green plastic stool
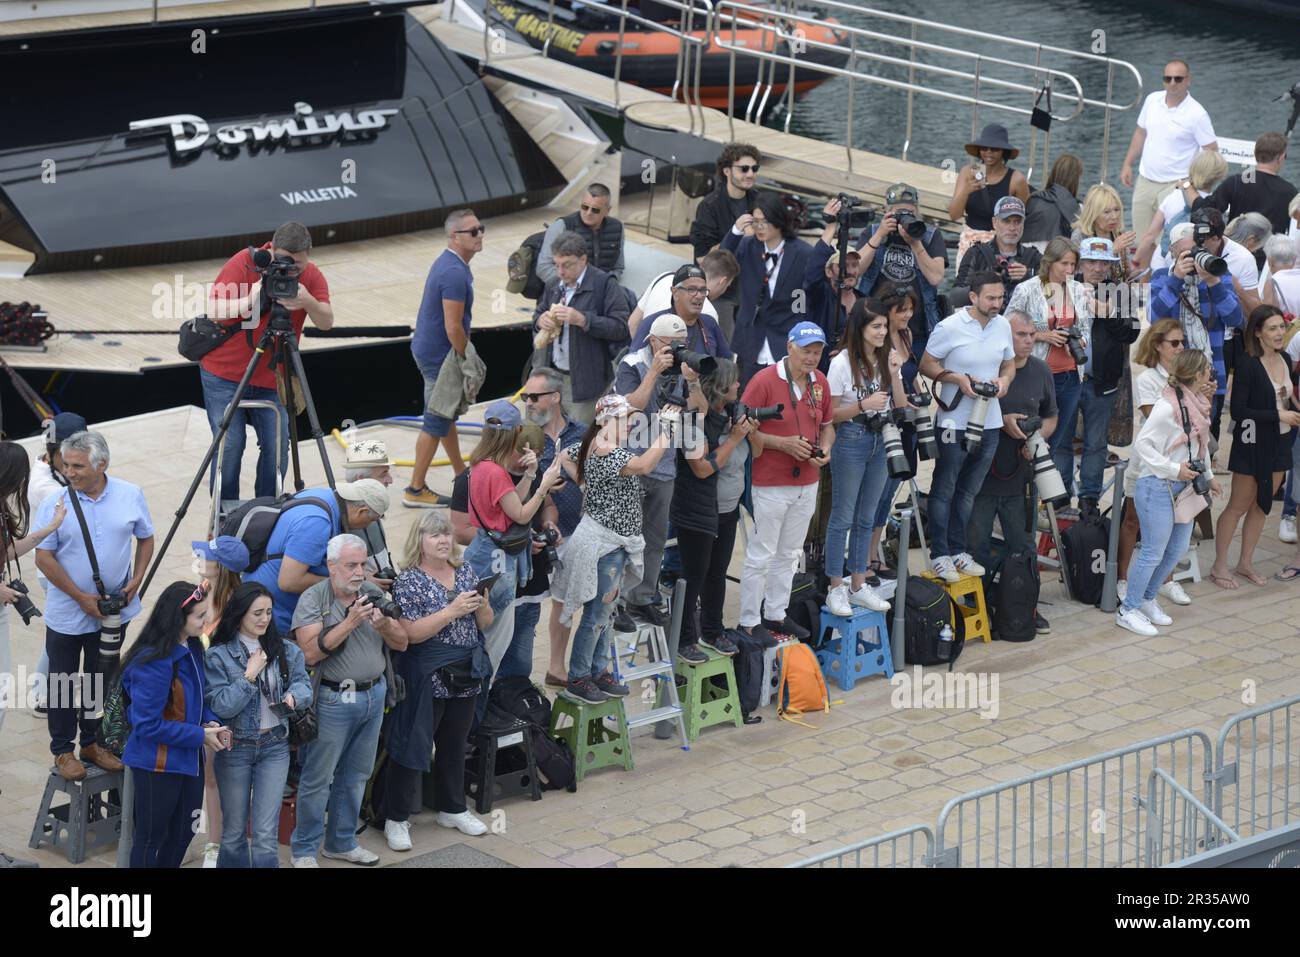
703 703
594 743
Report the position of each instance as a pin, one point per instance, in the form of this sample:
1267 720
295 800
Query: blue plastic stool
853 651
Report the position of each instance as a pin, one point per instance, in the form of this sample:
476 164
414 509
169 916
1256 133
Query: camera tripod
286 361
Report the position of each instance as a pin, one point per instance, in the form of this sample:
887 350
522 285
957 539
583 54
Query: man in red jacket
236 299
789 453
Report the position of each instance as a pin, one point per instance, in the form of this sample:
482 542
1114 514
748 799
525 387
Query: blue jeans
957 479
335 768
1163 542
250 781
514 570
1097 410
1068 388
518 659
217 395
858 475
589 656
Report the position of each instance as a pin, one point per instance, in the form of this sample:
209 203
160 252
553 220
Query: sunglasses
200 593
536 396
476 231
1175 79
1177 343
745 167
591 209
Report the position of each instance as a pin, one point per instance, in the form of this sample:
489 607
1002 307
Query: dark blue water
1239 62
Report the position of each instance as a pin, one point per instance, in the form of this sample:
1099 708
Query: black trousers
74 659
164 815
452 718
705 559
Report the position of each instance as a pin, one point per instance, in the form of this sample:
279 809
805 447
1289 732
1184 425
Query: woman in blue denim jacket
246 666
865 388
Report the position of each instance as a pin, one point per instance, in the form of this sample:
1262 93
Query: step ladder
659 664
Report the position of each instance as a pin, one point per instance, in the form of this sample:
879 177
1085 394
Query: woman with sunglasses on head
163 685
1264 421
1156 350
255 680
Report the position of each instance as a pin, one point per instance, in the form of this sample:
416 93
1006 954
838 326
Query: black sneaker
787 627
692 655
886 573
623 621
648 613
1041 625
721 644
584 690
761 635
606 684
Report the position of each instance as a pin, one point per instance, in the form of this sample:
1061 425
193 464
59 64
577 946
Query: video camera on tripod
854 213
279 276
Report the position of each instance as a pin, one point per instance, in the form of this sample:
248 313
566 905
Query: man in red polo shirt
793 450
235 298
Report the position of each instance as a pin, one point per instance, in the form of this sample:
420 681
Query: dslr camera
974 434
373 595
112 604
1200 481
1204 227
1074 344
549 538
912 225
702 363
388 573
738 410
24 605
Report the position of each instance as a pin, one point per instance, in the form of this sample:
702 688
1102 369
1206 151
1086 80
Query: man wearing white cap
298 543
368 459
646 377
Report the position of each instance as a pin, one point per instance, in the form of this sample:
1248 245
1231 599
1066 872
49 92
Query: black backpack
254 521
1015 598
748 664
1085 543
521 268
523 699
519 699
926 610
806 601
555 763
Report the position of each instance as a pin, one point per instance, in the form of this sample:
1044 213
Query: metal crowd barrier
1178 824
851 856
1259 791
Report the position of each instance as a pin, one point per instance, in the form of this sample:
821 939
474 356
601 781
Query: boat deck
167 12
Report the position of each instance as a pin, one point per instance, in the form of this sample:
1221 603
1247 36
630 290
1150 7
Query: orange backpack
802 687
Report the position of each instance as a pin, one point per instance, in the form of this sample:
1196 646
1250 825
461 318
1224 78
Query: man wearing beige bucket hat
368 459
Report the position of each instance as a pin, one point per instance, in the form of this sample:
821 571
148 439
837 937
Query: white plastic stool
1193 571
771 675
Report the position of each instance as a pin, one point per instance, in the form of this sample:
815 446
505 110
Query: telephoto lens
926 446
894 457
911 225
24 605
974 434
1206 260
1047 480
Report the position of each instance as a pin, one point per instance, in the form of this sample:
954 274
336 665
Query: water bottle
945 643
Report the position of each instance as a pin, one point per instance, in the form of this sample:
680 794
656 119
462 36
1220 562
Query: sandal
1253 577
555 681
1223 581
1282 576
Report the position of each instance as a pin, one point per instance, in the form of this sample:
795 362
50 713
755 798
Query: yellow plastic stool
977 618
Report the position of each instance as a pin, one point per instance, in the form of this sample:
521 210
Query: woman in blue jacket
162 678
255 680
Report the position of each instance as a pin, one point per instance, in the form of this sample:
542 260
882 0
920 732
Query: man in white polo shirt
1171 128
971 347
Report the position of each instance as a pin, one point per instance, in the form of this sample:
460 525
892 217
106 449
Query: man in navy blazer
773 262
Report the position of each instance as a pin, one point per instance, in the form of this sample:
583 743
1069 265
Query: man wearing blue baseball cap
1115 325
789 452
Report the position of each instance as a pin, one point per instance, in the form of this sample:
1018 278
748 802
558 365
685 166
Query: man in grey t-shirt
343 636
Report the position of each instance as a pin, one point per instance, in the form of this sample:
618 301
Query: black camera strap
90 548
1187 425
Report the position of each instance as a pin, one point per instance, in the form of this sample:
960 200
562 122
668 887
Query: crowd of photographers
729 385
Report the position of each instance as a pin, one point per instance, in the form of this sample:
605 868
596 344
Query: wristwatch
1185 184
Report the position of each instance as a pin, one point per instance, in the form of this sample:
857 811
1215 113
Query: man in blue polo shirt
301 538
441 326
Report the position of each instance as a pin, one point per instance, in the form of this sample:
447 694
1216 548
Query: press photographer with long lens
346 627
238 294
16 541
904 249
866 395
971 359
1172 460
1009 492
92 593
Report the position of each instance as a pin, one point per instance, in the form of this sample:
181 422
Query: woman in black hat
980 186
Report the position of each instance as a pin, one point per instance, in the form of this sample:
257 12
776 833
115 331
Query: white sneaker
210 852
944 568
837 601
1286 530
1136 622
1174 592
305 862
866 597
358 855
398 834
967 565
465 822
1155 614
1121 589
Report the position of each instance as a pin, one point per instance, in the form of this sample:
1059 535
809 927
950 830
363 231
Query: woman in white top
1175 436
1156 350
865 387
1207 171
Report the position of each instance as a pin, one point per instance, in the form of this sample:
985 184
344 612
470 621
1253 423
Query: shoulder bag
513 540
1189 502
201 335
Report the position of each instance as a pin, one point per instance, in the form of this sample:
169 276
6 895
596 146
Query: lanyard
794 401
